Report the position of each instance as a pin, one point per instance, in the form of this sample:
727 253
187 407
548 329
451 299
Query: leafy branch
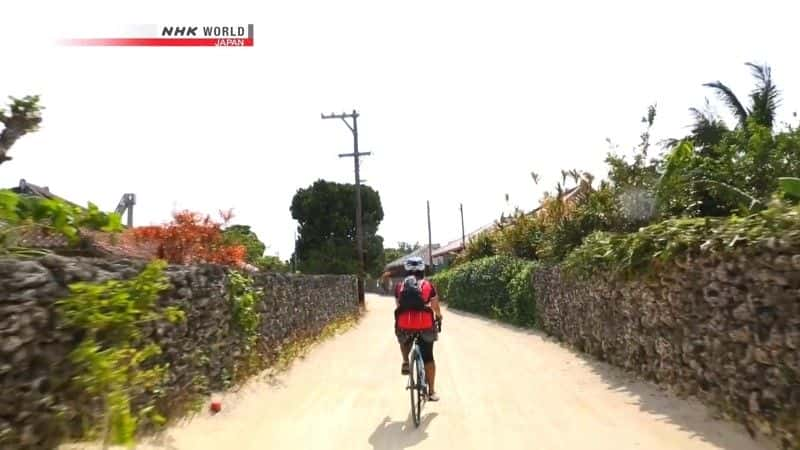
113 352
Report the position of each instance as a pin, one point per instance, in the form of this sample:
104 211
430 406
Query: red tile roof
456 246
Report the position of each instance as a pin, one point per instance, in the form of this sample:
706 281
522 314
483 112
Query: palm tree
708 129
763 99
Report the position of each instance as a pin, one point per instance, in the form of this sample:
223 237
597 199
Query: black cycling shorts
425 347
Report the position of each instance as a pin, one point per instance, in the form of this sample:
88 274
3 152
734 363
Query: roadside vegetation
728 182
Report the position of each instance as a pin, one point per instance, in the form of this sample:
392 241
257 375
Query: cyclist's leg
426 348
405 348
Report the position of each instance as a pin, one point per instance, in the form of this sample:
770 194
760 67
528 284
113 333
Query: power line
430 240
359 226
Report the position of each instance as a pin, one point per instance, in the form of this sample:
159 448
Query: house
394 270
447 253
25 188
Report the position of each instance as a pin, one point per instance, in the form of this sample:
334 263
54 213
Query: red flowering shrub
192 238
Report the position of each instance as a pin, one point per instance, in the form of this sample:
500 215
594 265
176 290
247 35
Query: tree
763 99
23 116
244 236
325 212
407 247
717 170
391 254
739 174
708 130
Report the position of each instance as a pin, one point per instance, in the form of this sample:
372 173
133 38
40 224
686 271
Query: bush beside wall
498 287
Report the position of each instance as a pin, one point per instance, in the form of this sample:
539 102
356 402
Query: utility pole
359 226
463 235
294 255
430 241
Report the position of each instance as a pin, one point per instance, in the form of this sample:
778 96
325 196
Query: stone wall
39 410
725 328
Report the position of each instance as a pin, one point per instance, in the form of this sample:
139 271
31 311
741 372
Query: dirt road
501 388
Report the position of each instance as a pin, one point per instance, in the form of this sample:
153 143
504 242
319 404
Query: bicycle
417 382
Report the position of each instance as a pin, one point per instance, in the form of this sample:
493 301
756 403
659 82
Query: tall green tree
325 212
407 247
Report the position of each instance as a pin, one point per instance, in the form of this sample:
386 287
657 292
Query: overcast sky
460 100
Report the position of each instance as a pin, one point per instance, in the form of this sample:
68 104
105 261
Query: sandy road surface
501 388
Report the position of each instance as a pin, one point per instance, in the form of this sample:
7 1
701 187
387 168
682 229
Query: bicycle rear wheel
422 387
415 387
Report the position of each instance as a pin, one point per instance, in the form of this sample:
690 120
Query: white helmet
414 264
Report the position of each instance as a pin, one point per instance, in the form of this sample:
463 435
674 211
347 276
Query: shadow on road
689 415
399 435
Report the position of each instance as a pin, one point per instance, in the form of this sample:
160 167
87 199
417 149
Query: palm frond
669 143
729 98
765 96
706 130
732 192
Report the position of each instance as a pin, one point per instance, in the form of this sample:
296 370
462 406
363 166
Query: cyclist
417 307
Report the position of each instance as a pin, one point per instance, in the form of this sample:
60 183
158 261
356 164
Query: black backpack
411 295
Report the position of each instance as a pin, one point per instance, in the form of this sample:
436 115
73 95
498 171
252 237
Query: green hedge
633 254
498 287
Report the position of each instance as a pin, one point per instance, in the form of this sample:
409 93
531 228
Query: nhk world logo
176 35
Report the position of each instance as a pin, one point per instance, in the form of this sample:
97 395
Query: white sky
459 100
